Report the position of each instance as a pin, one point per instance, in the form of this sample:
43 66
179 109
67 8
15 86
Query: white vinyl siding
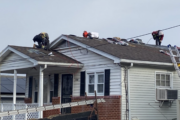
14 61
94 62
65 44
143 94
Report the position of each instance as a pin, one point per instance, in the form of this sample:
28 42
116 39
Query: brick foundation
47 113
110 110
27 100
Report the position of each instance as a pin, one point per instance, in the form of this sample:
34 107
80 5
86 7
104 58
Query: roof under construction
141 52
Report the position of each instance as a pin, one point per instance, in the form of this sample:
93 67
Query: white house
125 76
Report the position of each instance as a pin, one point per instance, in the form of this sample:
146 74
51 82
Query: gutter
61 64
145 62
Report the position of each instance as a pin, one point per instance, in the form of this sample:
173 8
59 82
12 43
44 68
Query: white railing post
13 108
41 83
14 91
26 114
2 110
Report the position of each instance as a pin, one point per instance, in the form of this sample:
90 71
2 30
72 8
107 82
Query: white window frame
96 73
171 80
163 87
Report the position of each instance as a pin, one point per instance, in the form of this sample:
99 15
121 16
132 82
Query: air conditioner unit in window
166 94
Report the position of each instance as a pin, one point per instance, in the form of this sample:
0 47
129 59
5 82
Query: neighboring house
125 76
7 83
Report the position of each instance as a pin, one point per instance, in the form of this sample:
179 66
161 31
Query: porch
48 74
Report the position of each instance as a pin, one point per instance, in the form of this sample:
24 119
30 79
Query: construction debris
116 40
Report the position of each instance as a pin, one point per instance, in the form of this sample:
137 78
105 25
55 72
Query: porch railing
9 106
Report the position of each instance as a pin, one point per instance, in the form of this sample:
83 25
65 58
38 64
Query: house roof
131 52
42 55
7 83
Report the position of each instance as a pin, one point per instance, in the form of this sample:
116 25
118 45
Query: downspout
129 90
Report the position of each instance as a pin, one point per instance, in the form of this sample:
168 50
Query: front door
67 80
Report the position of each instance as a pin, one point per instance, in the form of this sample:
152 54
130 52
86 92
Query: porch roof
41 55
22 58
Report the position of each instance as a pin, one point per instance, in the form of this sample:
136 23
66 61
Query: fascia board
61 64
145 62
20 67
56 41
4 51
116 59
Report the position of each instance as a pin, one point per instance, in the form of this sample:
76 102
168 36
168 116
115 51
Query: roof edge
9 48
78 65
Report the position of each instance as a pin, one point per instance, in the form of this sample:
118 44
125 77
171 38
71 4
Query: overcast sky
21 20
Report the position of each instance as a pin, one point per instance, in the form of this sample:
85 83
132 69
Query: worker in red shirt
158 36
91 35
85 34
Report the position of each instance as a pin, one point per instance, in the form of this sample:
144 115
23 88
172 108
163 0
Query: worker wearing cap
43 41
158 36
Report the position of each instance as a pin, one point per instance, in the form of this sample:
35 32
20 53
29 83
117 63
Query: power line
151 32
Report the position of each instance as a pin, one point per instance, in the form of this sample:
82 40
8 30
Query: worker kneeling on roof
158 36
91 35
43 41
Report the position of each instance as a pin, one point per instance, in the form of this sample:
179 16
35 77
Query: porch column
14 91
41 82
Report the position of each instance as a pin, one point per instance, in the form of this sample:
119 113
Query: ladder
176 64
51 107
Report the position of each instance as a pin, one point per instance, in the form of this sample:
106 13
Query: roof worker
158 36
45 37
43 41
91 35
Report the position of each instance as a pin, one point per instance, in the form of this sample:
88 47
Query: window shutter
36 97
82 83
107 82
56 83
30 86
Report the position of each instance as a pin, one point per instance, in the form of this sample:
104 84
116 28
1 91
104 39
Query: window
51 88
36 82
95 81
163 80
